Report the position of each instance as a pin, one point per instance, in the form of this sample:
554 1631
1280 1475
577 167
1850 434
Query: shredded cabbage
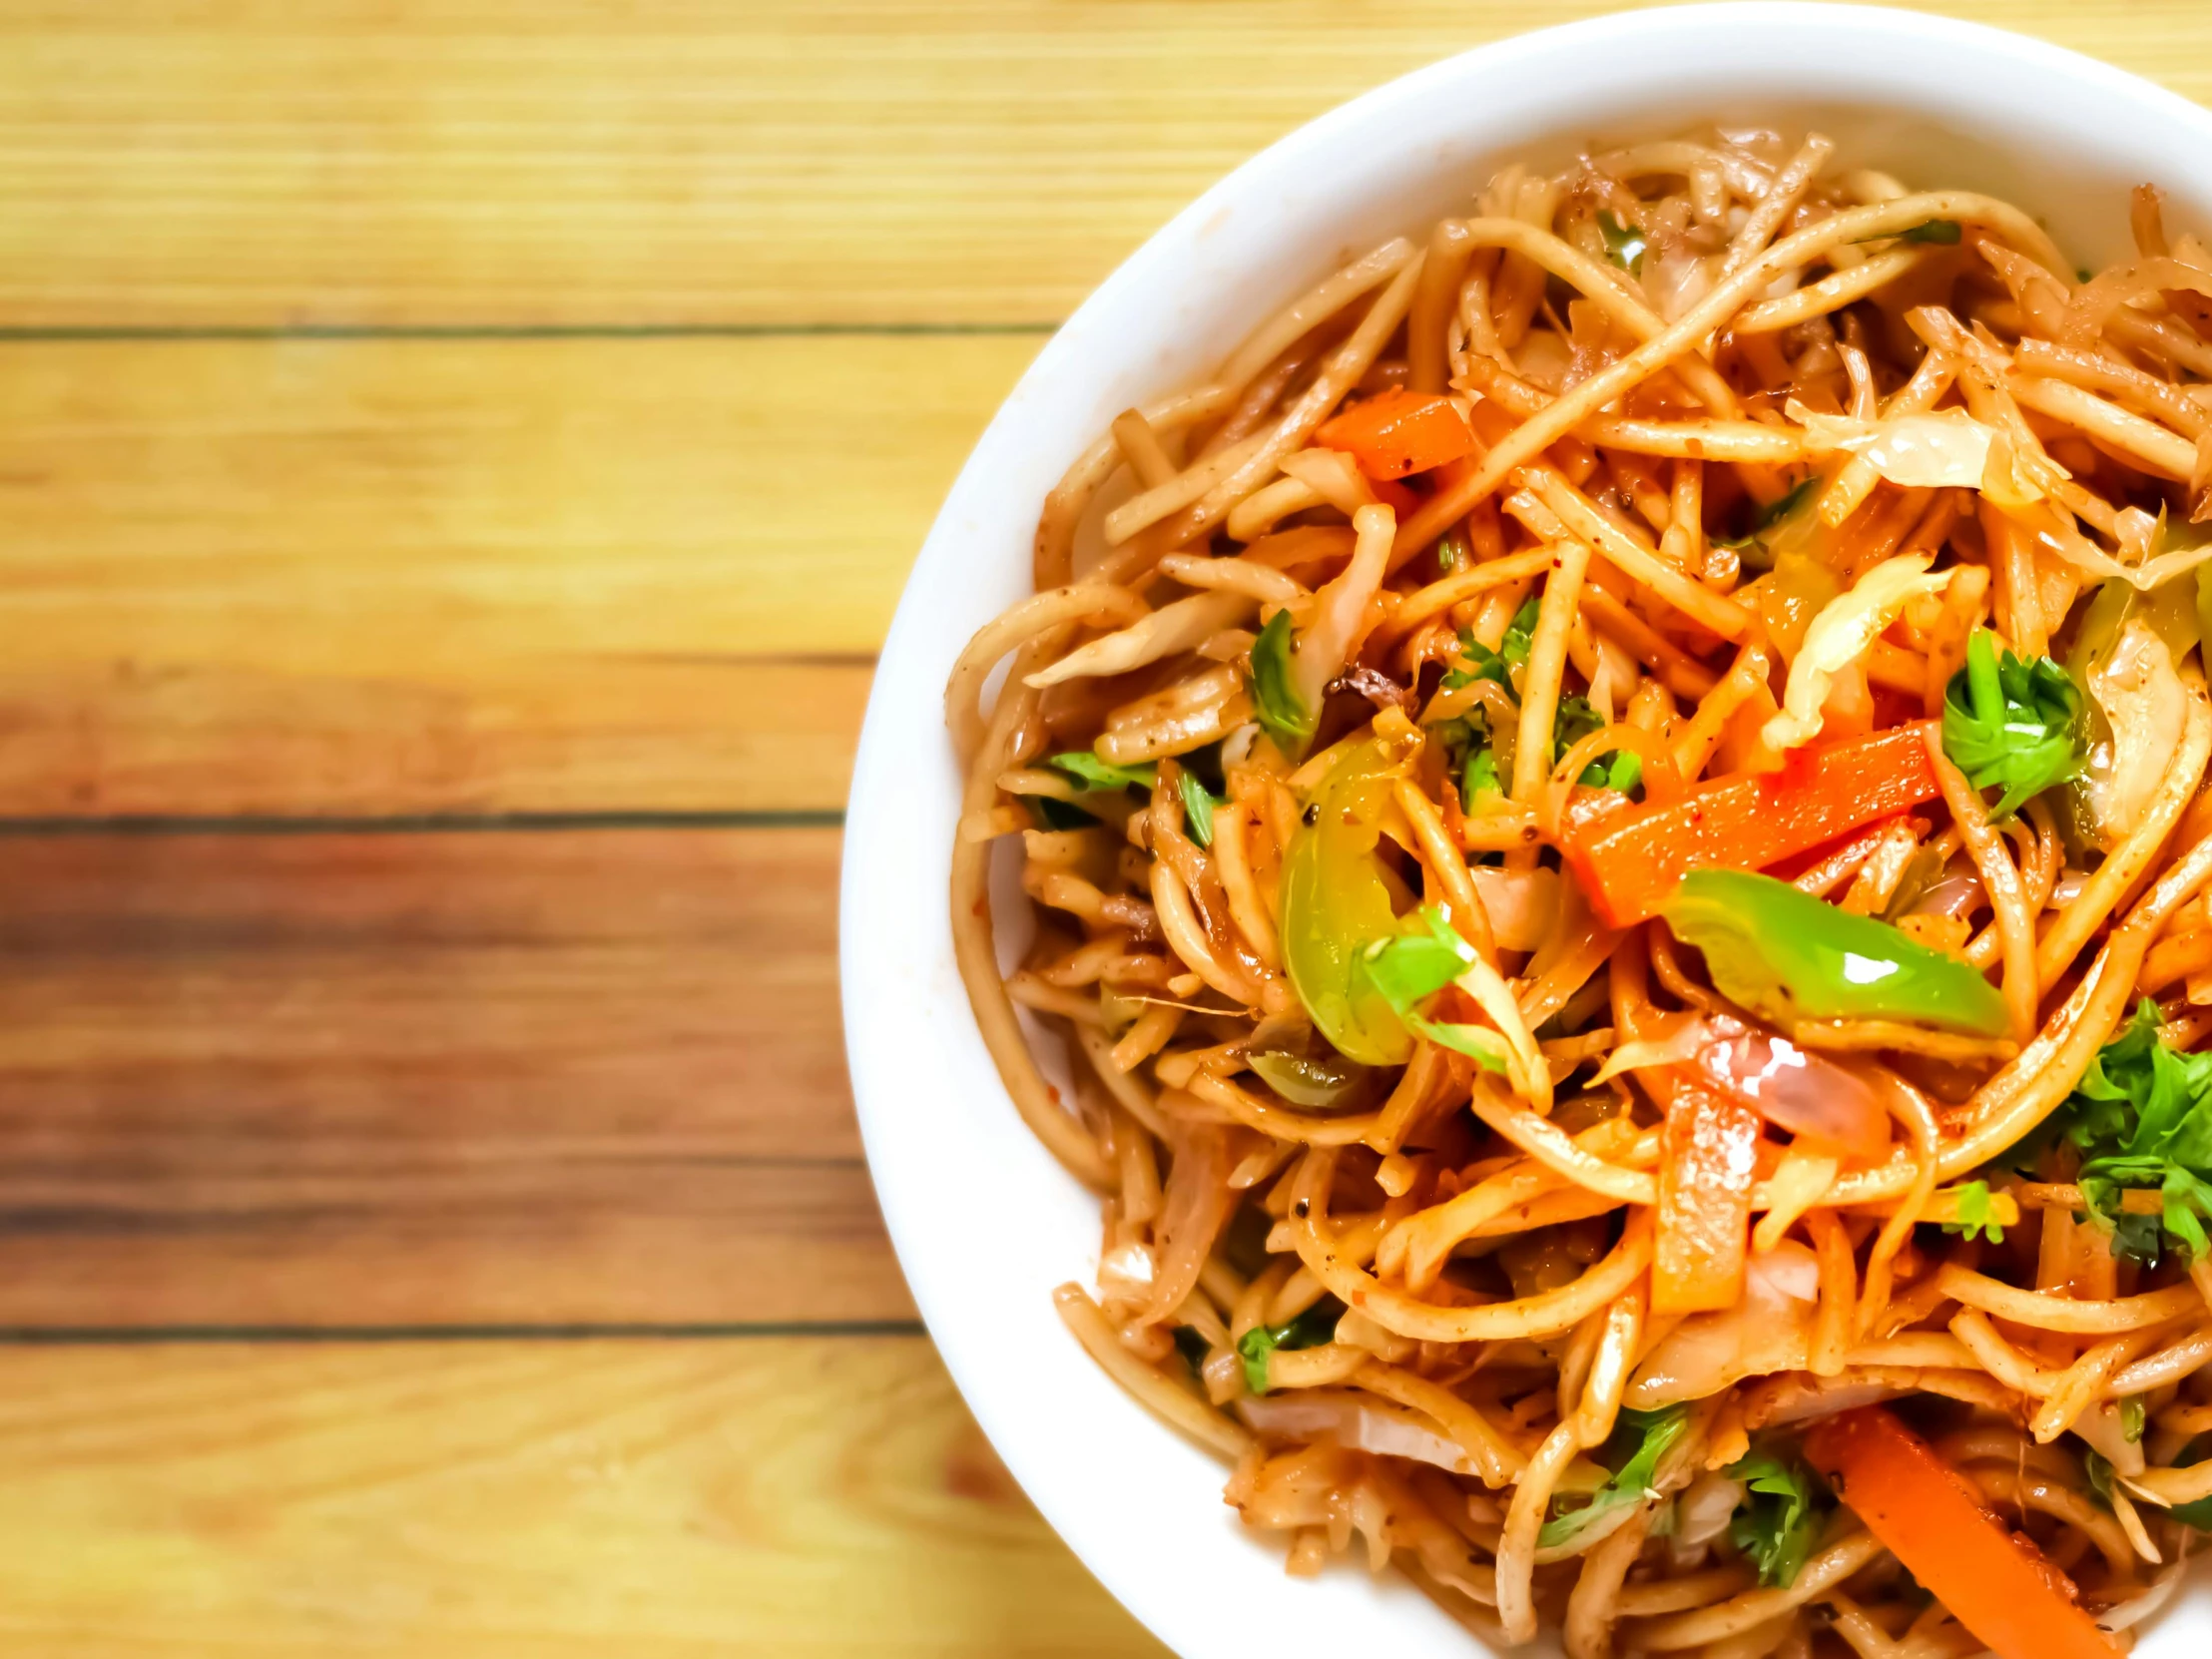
1182 626
1844 631
1947 449
1676 1048
1340 609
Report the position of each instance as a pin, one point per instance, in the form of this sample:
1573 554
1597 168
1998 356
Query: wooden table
457 458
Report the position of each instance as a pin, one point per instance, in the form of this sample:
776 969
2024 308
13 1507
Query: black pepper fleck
1301 1209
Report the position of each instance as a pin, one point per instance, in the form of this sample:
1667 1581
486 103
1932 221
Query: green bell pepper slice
1787 957
1336 903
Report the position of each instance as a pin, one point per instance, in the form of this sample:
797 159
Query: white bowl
985 1222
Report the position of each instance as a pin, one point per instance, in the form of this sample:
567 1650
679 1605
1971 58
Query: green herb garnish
1091 772
2143 1116
1769 515
1409 968
1469 758
1781 1516
1519 631
1625 244
1945 232
2012 724
2098 1469
1199 802
1281 710
1640 1440
1974 1215
1311 1329
1498 665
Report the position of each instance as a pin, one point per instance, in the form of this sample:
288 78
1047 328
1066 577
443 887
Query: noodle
1435 637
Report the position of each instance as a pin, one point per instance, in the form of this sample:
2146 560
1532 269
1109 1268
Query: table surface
457 459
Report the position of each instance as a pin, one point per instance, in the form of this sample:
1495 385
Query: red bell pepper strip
1629 861
1707 1151
1398 433
1995 1582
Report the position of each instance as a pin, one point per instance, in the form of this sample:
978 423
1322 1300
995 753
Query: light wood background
457 458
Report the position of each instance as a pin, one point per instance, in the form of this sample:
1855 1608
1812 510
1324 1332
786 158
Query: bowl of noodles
1525 922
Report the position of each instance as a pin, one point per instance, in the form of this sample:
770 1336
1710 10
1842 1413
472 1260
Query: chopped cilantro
1781 1516
1639 1441
2012 724
1975 1213
2143 1116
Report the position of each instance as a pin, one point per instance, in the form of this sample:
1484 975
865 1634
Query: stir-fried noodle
1616 817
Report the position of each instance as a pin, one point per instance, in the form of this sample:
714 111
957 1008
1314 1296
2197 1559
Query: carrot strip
1629 861
1995 1582
1398 433
1708 1150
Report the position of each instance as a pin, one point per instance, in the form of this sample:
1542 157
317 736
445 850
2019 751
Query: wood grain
484 1077
301 577
502 1500
285 162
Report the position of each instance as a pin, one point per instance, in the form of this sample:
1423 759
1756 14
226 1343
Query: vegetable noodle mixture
1616 818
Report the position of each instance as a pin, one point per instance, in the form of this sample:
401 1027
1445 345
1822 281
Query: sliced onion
1954 895
2146 709
1702 1512
1787 1273
1353 1420
1840 635
1126 1272
2137 1610
1797 1091
1523 904
1770 1331
1195 1206
2100 1425
1825 1396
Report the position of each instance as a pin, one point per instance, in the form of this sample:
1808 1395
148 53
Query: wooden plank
433 575
726 160
592 1077
661 1501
